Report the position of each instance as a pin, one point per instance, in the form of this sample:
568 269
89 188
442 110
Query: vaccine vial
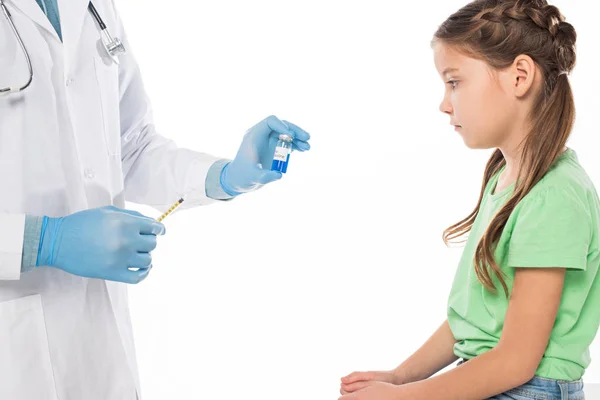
282 153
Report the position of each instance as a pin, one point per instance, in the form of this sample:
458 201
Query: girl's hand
360 380
376 391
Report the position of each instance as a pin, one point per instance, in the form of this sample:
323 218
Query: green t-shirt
555 225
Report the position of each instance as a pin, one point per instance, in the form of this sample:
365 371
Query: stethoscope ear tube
23 48
96 15
113 46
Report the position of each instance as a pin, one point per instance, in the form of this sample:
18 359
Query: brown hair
497 31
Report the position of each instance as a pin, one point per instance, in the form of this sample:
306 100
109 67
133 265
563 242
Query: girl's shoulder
566 182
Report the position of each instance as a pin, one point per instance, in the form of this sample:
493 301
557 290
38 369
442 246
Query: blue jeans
540 388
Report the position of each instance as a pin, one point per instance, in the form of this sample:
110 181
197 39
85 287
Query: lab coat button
69 81
89 173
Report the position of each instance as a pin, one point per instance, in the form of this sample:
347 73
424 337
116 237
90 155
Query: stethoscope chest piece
113 46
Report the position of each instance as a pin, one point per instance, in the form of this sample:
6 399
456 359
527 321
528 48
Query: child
534 233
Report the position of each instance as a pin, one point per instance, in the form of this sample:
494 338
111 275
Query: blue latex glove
251 167
100 243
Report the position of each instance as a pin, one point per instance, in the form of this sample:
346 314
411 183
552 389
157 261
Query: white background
281 292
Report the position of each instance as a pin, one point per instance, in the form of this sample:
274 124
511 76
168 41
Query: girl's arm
434 355
530 317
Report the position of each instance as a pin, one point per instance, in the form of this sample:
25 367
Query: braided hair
497 31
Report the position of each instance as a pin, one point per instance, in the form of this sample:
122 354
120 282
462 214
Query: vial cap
286 138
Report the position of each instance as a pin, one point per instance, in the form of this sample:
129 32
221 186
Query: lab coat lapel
35 13
72 15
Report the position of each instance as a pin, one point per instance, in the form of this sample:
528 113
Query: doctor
77 140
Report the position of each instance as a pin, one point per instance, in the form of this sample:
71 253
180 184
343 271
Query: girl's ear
522 75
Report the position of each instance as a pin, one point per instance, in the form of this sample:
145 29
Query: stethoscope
113 46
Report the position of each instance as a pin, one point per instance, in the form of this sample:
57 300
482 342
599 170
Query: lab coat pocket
25 366
107 76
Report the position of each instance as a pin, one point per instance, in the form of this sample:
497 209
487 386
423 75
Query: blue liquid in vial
280 166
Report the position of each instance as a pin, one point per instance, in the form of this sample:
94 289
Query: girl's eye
452 83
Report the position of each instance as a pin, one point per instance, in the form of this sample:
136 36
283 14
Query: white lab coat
81 136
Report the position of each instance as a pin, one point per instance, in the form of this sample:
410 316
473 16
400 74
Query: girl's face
479 101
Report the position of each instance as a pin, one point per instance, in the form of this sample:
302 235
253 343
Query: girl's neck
511 171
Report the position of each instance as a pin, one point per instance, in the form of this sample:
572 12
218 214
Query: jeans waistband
547 384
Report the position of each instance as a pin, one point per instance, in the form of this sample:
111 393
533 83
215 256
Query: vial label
285 164
281 154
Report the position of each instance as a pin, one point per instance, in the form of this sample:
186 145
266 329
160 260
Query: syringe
170 210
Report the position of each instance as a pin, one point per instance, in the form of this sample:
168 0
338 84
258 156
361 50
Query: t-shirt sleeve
551 229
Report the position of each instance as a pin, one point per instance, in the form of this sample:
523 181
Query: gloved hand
100 243
251 167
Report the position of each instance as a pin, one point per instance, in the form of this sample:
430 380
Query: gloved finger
133 277
272 124
145 243
268 177
140 260
131 212
300 146
300 133
151 227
